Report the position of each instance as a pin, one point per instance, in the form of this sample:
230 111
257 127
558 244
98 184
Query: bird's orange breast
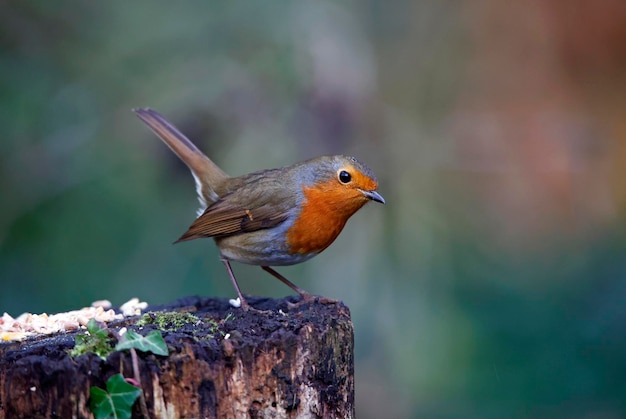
325 210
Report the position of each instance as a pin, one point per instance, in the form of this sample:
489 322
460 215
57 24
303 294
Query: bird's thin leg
305 295
244 303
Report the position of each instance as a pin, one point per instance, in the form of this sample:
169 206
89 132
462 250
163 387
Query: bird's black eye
344 177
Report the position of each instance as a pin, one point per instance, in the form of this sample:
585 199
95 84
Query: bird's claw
310 298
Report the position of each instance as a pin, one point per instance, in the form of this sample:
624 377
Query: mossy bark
296 364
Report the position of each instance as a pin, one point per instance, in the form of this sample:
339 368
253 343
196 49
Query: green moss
173 321
170 320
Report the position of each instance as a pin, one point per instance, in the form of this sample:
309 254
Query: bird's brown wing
224 220
257 203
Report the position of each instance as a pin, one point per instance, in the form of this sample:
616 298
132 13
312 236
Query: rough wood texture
272 365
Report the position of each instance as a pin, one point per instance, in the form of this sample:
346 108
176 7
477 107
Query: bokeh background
492 284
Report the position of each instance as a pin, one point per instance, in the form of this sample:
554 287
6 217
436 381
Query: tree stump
289 363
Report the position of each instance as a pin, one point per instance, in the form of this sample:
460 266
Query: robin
273 217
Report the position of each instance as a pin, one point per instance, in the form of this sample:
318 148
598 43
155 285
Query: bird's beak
373 195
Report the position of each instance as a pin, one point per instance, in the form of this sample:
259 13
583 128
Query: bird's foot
310 298
249 309
243 304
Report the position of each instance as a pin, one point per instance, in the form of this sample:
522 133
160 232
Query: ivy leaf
96 340
116 402
152 342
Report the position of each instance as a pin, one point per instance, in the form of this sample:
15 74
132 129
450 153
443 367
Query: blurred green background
492 284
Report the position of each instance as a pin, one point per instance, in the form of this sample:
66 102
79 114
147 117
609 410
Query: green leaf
95 330
96 340
116 402
152 342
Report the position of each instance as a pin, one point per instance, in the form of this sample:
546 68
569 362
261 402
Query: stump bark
292 363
